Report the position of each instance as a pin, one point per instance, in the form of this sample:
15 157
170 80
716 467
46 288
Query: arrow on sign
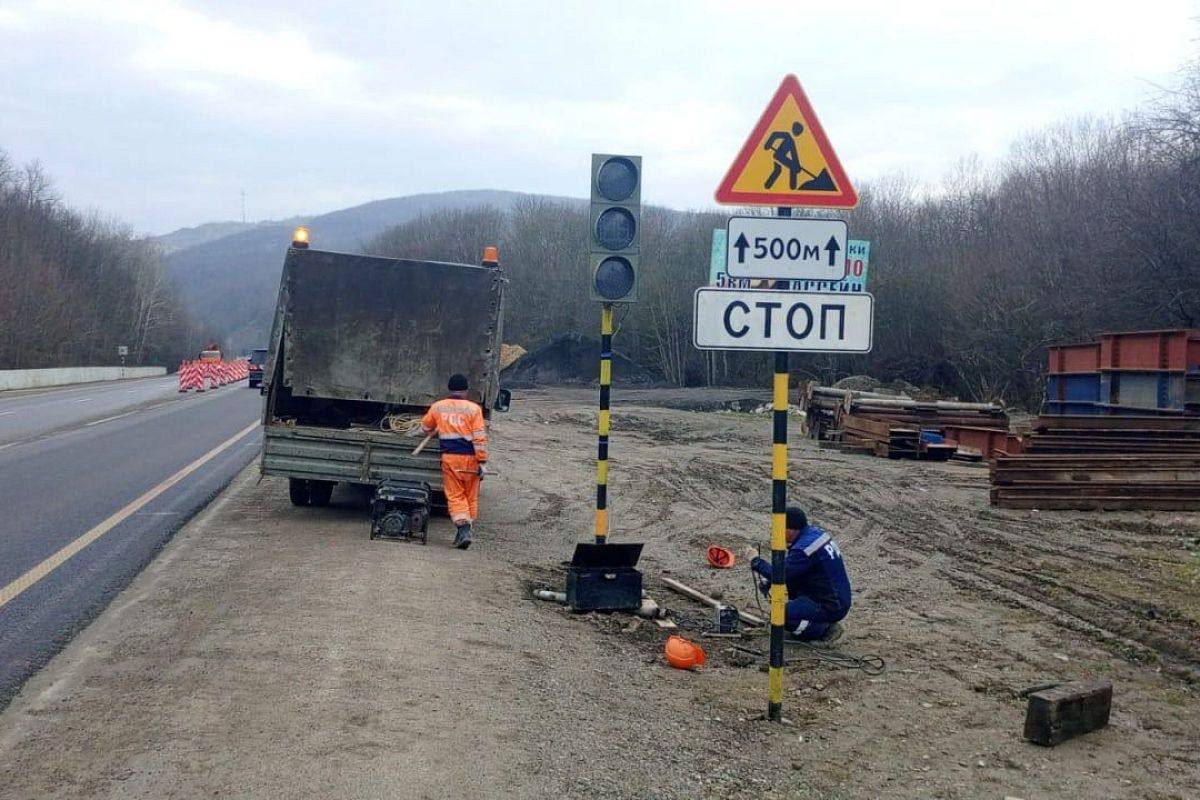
741 244
831 247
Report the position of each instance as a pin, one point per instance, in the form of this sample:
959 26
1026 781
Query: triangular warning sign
788 160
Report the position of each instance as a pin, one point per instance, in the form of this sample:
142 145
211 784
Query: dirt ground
273 651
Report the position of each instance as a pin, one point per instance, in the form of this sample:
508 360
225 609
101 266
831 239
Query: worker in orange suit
463 437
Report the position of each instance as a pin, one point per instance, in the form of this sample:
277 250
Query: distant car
258 360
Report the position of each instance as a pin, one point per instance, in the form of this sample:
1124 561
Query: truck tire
299 491
319 492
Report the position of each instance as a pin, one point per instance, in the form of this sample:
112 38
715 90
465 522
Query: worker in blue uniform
818 588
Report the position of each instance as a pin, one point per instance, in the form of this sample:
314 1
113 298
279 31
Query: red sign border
846 197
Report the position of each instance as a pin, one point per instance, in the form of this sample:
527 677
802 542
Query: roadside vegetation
75 287
1087 226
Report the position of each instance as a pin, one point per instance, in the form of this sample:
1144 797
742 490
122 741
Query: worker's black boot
462 539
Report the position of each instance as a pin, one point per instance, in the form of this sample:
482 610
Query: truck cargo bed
351 455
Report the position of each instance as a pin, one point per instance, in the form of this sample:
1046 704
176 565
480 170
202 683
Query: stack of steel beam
896 426
1097 482
1122 428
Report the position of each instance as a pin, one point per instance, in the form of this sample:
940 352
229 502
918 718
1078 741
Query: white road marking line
10 444
16 587
83 400
6 413
108 419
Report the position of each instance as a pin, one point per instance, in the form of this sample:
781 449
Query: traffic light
615 236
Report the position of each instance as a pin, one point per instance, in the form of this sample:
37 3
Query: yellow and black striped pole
606 331
779 473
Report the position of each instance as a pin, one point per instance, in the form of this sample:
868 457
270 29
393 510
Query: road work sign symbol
803 322
788 160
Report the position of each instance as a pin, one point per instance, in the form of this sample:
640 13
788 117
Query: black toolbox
602 577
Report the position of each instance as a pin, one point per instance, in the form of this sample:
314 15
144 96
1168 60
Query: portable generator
400 511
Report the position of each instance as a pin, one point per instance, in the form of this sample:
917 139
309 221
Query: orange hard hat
720 557
682 654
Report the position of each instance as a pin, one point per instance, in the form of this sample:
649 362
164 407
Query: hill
228 272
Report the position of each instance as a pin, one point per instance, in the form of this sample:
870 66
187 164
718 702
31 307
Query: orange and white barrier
201 375
190 376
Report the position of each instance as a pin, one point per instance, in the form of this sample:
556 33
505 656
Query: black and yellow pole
779 473
606 332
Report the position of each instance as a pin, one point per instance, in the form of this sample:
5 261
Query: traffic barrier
190 377
12 379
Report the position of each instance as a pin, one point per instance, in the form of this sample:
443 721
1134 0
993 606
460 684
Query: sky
161 113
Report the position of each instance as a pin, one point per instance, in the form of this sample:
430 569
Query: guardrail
63 376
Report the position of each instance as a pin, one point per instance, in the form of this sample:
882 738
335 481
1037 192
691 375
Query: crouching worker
818 589
463 437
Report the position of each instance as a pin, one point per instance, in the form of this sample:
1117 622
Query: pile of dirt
571 359
510 354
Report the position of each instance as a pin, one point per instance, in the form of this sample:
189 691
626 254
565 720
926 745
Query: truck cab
254 370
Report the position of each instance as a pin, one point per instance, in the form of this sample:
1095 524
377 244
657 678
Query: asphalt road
28 414
93 482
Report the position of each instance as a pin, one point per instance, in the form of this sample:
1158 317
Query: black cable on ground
869 664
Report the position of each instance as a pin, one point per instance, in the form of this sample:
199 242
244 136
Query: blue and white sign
858 256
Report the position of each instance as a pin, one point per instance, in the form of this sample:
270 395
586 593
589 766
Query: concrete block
63 376
1066 711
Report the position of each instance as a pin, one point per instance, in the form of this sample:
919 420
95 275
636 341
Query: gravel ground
272 651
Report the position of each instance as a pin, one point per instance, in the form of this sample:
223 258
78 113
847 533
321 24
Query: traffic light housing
615 233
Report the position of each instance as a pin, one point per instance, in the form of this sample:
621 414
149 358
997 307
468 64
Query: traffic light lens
615 228
617 179
614 278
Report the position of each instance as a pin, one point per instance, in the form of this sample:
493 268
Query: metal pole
779 473
606 331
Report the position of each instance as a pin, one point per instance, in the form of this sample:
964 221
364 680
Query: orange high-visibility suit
463 437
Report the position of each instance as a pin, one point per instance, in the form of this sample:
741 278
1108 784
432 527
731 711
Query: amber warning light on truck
300 238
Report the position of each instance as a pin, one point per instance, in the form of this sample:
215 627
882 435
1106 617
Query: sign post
779 474
606 331
786 161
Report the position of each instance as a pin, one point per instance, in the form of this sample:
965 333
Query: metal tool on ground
727 619
701 597
648 609
603 577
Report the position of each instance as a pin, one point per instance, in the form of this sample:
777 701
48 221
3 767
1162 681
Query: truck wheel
299 491
319 492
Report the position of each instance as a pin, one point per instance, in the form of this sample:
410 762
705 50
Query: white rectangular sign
786 248
763 319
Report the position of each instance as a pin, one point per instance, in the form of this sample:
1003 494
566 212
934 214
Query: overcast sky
161 113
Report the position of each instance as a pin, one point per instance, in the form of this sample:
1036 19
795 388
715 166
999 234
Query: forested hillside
74 287
1087 226
231 281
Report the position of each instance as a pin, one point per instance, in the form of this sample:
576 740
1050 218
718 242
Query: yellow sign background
754 177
